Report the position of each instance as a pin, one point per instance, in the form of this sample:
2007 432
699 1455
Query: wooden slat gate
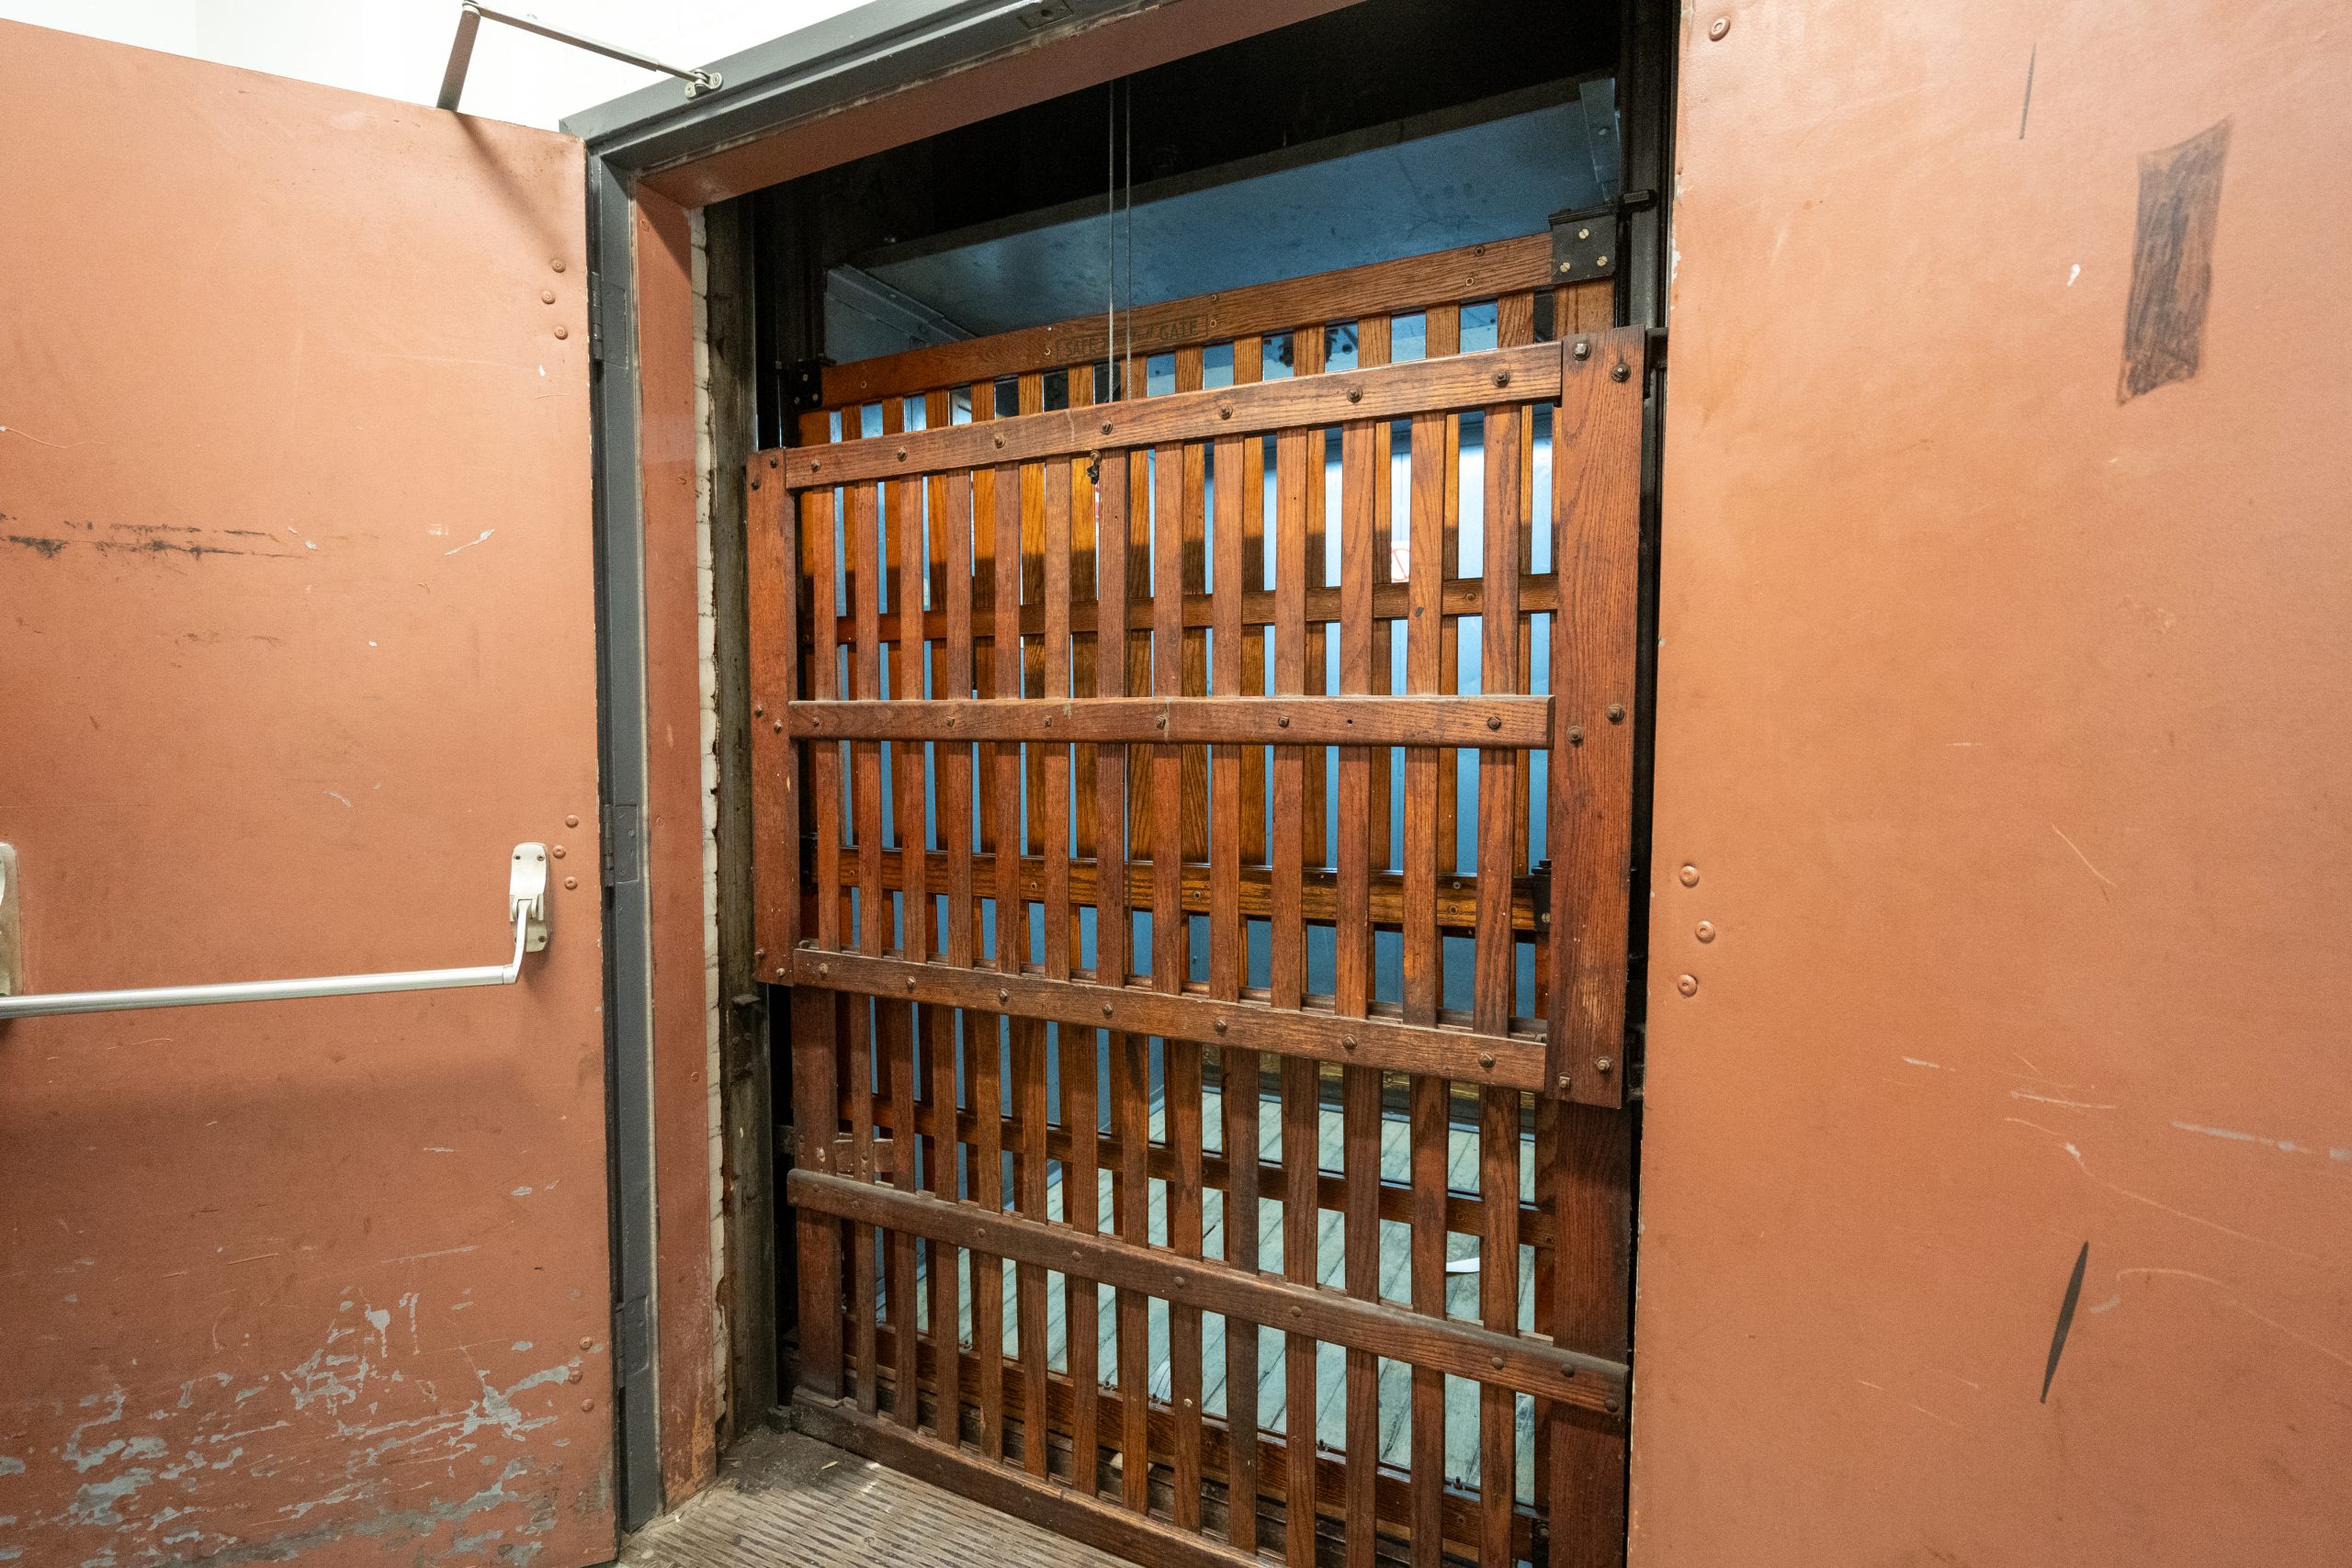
1247 988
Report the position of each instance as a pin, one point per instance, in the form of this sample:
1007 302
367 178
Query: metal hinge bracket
804 383
622 837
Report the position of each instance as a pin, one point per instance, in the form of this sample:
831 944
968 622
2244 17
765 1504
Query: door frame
880 75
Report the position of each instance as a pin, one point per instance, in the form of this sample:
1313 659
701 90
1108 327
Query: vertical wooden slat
1174 536
1373 347
983 1045
1026 1035
1308 351
1584 1164
955 679
904 517
1494 982
864 554
1298 473
1239 513
819 527
1249 368
772 608
1192 577
1359 1087
1596 481
1515 328
1128 1053
1444 329
1422 971
1083 649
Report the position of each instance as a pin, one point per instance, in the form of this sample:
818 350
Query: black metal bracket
1587 242
803 384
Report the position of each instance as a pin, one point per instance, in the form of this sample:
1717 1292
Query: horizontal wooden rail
1504 722
1463 1210
1502 1061
1455 383
1459 1508
1457 893
1458 596
1521 1363
1405 283
1049 1505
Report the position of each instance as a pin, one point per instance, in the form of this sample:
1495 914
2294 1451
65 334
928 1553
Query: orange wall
2004 725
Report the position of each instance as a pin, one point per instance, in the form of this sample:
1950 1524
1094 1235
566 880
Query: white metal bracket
12 943
526 895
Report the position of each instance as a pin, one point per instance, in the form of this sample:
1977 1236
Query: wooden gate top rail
1450 384
1379 289
1515 722
1520 1362
1504 1061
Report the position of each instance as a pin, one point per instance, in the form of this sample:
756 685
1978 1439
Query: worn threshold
783 1498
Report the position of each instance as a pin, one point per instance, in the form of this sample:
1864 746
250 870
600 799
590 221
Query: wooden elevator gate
1247 983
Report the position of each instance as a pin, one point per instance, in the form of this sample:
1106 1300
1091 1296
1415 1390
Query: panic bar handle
527 906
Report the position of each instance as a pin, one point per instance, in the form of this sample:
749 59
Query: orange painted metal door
295 645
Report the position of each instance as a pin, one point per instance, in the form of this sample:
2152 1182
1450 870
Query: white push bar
526 905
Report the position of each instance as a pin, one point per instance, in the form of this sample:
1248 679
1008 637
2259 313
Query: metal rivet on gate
1716 31
1298 1312
1106 1010
779 727
1620 371
546 295
781 971
1494 721
557 264
759 710
1106 430
575 1375
1502 378
755 482
1603 1064
1220 1026
1282 721
1567 265
1688 985
1584 349
771 462
587 1404
586 1343
1486 1058
572 820
1575 735
910 982
1603 261
902 454
1613 1407
1706 931
1690 877
1616 713
1563 1082
999 441
824 969
1355 394
572 882
562 331
1003 995
1347 1043
1160 723
813 465
1498 1363
557 852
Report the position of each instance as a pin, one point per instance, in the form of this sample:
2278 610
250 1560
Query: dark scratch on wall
2172 262
2066 1319
46 548
2027 107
